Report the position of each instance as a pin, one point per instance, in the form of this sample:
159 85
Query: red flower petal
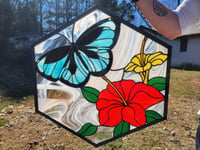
104 103
138 97
127 86
110 116
106 94
134 114
119 88
145 95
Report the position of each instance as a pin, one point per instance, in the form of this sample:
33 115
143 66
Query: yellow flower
139 64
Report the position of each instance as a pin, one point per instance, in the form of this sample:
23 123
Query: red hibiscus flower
127 101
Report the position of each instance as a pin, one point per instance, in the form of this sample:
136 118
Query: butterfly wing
61 64
51 64
75 72
91 54
95 46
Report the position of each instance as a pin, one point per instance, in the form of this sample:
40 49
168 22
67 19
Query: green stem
116 90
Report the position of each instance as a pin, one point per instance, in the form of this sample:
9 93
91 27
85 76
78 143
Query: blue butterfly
90 54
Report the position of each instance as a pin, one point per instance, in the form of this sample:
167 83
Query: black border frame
152 37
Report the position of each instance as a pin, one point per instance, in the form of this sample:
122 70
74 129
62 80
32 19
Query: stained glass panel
101 77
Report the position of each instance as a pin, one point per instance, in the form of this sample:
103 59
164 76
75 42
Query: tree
40 15
109 5
6 17
58 12
123 9
26 17
126 11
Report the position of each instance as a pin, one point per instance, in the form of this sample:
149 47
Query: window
183 44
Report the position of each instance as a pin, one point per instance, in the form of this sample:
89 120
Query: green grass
197 118
116 144
3 122
10 101
185 83
183 102
6 103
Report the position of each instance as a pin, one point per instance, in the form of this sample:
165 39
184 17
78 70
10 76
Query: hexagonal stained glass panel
101 77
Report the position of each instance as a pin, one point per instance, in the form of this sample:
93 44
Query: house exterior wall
190 56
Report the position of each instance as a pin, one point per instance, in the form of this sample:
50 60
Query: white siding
191 56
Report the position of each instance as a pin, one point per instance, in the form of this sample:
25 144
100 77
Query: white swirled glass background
66 104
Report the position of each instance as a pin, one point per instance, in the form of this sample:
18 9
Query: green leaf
152 116
90 94
121 128
88 129
158 82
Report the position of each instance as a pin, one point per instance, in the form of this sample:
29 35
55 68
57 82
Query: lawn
22 129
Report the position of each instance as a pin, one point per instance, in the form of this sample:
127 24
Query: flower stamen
142 51
116 90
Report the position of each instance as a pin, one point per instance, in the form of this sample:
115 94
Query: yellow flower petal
139 69
136 60
157 62
153 56
147 66
157 58
147 58
130 67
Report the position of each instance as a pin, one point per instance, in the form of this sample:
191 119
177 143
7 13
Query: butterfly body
89 55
